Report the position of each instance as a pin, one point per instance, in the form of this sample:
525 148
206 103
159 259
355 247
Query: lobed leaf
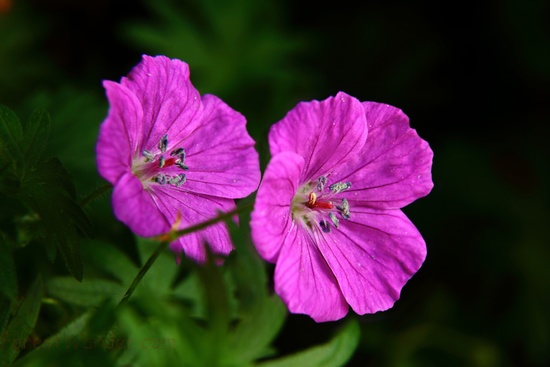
43 186
332 354
89 293
36 133
48 190
251 338
11 135
52 348
22 324
8 277
108 258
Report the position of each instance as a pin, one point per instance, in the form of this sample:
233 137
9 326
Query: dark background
473 78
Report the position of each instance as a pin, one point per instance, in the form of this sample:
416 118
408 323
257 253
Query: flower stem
171 236
95 194
221 217
161 247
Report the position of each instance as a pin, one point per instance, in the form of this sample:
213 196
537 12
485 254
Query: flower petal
119 133
372 256
136 208
220 154
271 217
394 167
325 133
304 281
189 209
171 104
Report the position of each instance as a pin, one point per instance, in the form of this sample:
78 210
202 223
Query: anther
181 165
163 143
178 180
162 161
321 182
180 152
148 156
160 179
344 209
339 187
334 220
324 226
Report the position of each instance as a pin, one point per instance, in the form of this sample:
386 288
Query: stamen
153 174
148 156
339 187
163 143
178 180
161 179
344 209
180 152
321 182
334 220
181 165
324 226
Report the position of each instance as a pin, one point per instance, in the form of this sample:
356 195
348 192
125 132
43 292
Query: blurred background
472 76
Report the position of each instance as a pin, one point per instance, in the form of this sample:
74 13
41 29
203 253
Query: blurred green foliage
474 82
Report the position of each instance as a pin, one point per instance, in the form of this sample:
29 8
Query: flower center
315 204
154 167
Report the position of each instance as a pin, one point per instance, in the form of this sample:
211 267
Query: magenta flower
174 157
328 209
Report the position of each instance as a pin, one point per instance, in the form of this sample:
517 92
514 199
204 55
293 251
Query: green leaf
53 347
43 186
333 354
261 315
11 135
256 330
103 318
22 324
5 305
247 269
76 115
48 190
8 277
217 306
109 259
36 134
88 293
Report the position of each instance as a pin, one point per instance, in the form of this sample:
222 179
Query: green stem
169 237
161 247
95 194
221 217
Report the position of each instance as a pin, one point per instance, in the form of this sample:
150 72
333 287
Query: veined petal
394 167
136 208
221 154
189 209
304 281
372 256
171 104
119 134
325 133
271 218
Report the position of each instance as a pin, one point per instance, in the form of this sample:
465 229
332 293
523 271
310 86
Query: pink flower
328 209
174 157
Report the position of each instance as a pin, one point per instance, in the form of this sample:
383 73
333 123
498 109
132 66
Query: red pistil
323 205
170 162
313 203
